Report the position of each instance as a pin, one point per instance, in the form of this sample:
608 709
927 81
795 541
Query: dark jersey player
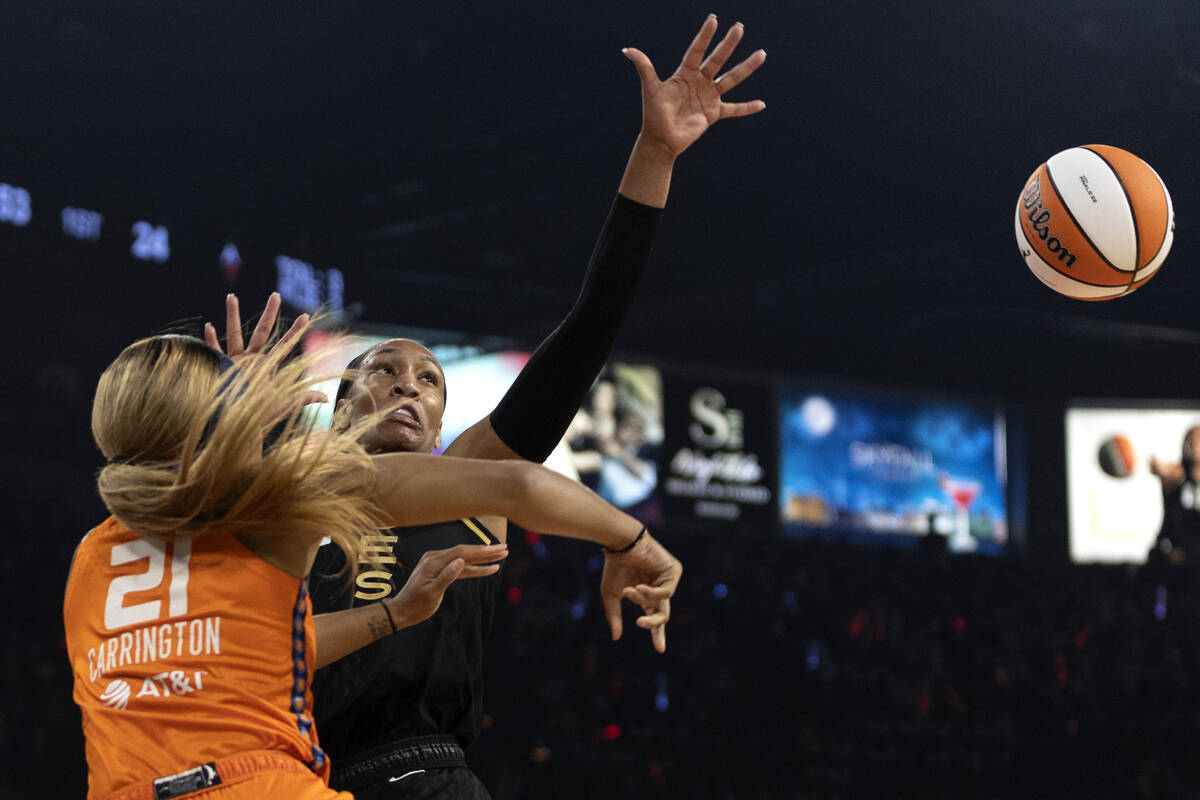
1179 537
396 715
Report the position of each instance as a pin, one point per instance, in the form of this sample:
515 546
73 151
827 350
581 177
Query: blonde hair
186 450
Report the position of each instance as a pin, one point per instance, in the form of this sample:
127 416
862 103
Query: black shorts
445 783
416 768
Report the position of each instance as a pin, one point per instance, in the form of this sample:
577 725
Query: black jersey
422 680
428 679
1181 517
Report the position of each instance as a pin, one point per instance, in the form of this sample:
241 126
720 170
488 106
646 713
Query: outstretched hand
646 576
262 331
238 351
677 111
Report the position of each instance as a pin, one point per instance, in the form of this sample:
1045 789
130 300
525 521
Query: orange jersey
184 653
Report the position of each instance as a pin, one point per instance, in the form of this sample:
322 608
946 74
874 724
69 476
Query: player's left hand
677 111
422 593
239 352
647 576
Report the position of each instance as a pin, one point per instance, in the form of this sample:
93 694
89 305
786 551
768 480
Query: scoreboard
302 285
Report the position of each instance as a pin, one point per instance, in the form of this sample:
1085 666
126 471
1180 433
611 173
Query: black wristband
627 547
388 611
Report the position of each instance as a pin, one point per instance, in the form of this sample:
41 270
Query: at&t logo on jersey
173 683
116 694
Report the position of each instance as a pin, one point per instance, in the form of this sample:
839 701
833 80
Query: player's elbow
528 487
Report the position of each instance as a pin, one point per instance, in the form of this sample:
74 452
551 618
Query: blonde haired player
187 617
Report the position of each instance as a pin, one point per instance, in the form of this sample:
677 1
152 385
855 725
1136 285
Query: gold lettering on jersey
196 637
373 584
377 549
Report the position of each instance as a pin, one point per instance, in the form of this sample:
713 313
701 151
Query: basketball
1116 456
1094 222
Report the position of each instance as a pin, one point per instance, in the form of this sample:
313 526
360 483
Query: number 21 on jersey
154 553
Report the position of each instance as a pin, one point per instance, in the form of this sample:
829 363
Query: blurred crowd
819 670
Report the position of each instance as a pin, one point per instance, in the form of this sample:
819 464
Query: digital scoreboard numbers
306 288
79 223
301 285
150 242
16 207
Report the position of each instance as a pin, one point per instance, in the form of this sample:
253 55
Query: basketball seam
1137 241
1067 207
1166 233
1119 291
1156 252
1066 274
1156 269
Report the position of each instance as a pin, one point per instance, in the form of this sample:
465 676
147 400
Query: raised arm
533 415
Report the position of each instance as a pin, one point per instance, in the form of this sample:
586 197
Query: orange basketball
1116 456
1094 222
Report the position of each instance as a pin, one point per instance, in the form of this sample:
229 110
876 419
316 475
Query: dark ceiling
456 160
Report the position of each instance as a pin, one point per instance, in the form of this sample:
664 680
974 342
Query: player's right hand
646 576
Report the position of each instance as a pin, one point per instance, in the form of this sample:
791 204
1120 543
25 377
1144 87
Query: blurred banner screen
615 443
882 467
720 453
1115 500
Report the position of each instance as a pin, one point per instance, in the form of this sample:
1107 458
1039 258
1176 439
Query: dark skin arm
675 113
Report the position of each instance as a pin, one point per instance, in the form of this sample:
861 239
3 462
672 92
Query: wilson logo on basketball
1039 218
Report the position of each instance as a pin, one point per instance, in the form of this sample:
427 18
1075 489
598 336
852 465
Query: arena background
452 163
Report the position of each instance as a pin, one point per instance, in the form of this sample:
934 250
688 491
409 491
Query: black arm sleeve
534 414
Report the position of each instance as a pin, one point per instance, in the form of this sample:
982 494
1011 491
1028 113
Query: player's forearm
413 489
563 507
647 178
340 633
418 489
